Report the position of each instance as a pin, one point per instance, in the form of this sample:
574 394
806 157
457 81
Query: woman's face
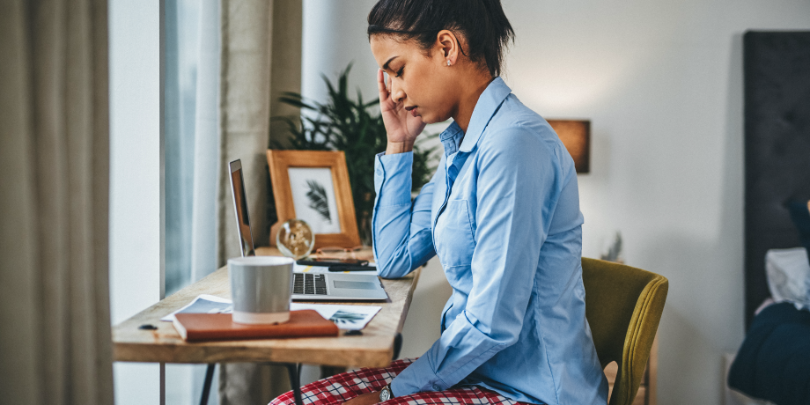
420 80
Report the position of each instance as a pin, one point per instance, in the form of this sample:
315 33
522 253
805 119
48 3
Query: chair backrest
623 307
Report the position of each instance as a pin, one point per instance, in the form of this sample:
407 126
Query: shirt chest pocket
454 235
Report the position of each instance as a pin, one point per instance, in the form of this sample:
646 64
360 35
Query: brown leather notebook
201 327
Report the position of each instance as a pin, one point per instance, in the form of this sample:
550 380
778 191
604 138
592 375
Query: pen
352 268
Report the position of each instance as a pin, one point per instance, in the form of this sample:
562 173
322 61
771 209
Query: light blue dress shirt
502 214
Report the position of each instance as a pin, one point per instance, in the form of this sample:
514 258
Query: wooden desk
375 348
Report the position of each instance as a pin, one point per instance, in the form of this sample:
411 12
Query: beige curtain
261 49
55 344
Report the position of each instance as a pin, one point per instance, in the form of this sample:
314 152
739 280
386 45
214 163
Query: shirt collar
450 138
487 105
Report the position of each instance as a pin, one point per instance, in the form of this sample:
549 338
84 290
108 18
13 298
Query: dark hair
481 22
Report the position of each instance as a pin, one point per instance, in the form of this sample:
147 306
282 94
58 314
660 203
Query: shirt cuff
392 178
417 377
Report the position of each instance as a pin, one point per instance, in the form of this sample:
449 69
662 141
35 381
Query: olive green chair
623 307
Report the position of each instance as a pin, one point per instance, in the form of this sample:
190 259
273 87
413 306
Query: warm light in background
576 136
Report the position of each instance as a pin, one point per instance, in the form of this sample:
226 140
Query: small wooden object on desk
374 348
281 161
648 390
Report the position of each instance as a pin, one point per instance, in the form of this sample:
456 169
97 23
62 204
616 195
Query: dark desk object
338 269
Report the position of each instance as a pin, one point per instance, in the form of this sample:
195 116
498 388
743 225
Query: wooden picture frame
286 190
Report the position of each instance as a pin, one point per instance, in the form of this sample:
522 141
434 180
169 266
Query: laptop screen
241 208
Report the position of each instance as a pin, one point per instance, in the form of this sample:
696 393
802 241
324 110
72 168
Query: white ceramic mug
260 289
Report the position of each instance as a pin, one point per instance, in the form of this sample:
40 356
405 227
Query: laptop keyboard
311 284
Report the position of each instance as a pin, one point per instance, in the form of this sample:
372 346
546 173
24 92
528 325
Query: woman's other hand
401 125
364 399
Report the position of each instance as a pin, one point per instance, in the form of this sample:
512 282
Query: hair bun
482 23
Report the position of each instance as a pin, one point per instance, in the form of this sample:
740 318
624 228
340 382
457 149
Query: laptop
316 284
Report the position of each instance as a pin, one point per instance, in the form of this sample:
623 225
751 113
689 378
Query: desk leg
295 381
397 346
209 376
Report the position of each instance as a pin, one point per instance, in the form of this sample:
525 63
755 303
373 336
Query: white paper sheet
203 304
346 317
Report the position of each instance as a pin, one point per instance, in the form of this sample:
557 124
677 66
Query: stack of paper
346 317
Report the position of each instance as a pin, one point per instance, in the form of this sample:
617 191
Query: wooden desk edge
407 306
178 351
157 353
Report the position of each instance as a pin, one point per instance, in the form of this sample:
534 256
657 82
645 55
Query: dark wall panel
777 148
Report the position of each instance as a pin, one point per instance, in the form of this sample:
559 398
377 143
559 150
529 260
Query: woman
501 213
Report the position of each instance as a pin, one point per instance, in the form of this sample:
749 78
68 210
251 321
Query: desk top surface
374 348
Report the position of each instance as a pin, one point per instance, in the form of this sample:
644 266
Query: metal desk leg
397 346
295 381
209 376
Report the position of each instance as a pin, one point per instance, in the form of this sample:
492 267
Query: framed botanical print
314 186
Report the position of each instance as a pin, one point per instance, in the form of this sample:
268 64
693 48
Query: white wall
327 53
135 240
662 84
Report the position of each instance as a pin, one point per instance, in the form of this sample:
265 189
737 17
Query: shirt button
436 387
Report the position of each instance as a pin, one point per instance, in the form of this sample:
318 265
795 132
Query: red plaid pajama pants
345 386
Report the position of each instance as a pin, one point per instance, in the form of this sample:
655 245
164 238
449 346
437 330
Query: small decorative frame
576 136
317 183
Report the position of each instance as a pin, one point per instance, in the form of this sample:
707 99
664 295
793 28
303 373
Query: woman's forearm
401 228
398 147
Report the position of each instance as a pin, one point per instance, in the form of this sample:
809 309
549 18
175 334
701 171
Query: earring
448 62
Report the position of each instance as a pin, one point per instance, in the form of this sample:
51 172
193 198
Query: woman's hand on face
401 126
368 398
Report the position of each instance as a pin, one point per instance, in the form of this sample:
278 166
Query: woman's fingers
381 84
397 120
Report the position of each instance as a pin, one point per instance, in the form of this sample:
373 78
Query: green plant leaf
318 200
